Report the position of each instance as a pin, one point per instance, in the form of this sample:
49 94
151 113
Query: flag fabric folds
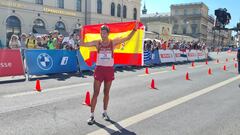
128 53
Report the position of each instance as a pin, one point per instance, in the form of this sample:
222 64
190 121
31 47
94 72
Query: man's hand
136 26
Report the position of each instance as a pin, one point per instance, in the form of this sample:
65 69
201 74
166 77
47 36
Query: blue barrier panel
42 62
83 64
147 57
155 57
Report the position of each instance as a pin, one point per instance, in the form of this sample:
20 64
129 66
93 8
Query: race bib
105 58
105 55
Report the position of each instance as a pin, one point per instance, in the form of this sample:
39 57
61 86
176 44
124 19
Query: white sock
92 114
105 111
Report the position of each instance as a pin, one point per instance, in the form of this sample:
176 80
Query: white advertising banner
178 56
201 55
192 55
166 56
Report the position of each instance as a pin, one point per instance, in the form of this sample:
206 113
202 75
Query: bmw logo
44 61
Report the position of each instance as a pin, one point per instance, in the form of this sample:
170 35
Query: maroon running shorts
104 73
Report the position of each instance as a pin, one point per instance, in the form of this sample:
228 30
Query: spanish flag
128 53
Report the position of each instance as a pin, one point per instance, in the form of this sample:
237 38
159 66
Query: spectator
52 42
31 41
1 46
155 47
164 45
71 42
54 39
45 41
76 39
40 43
23 41
14 43
59 42
238 59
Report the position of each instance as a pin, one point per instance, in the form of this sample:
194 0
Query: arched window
119 10
124 11
39 23
60 26
185 11
79 5
112 9
77 29
13 26
184 29
39 27
99 6
13 21
135 14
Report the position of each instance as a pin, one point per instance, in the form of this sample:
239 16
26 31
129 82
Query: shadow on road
12 81
121 130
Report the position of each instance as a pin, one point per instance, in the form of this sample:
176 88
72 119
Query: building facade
146 19
66 16
190 19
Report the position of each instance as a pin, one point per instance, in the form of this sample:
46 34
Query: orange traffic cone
235 65
146 71
193 65
209 71
38 86
173 67
153 84
206 62
224 68
187 76
87 99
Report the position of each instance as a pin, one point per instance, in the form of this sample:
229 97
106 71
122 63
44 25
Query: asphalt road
204 105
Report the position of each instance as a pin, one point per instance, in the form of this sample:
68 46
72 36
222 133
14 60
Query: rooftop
186 4
156 15
189 4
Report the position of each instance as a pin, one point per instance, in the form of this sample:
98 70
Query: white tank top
105 55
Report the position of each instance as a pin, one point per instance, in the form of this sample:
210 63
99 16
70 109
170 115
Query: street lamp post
185 26
86 11
121 13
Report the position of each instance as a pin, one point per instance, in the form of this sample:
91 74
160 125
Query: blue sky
233 7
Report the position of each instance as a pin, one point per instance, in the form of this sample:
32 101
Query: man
238 58
104 71
23 41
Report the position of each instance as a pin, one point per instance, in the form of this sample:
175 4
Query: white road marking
43 91
149 113
153 73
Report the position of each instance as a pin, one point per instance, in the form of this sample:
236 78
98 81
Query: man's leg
97 86
107 86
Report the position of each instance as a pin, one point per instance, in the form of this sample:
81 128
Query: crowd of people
51 41
151 45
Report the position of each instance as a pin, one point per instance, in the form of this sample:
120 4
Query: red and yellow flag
129 54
